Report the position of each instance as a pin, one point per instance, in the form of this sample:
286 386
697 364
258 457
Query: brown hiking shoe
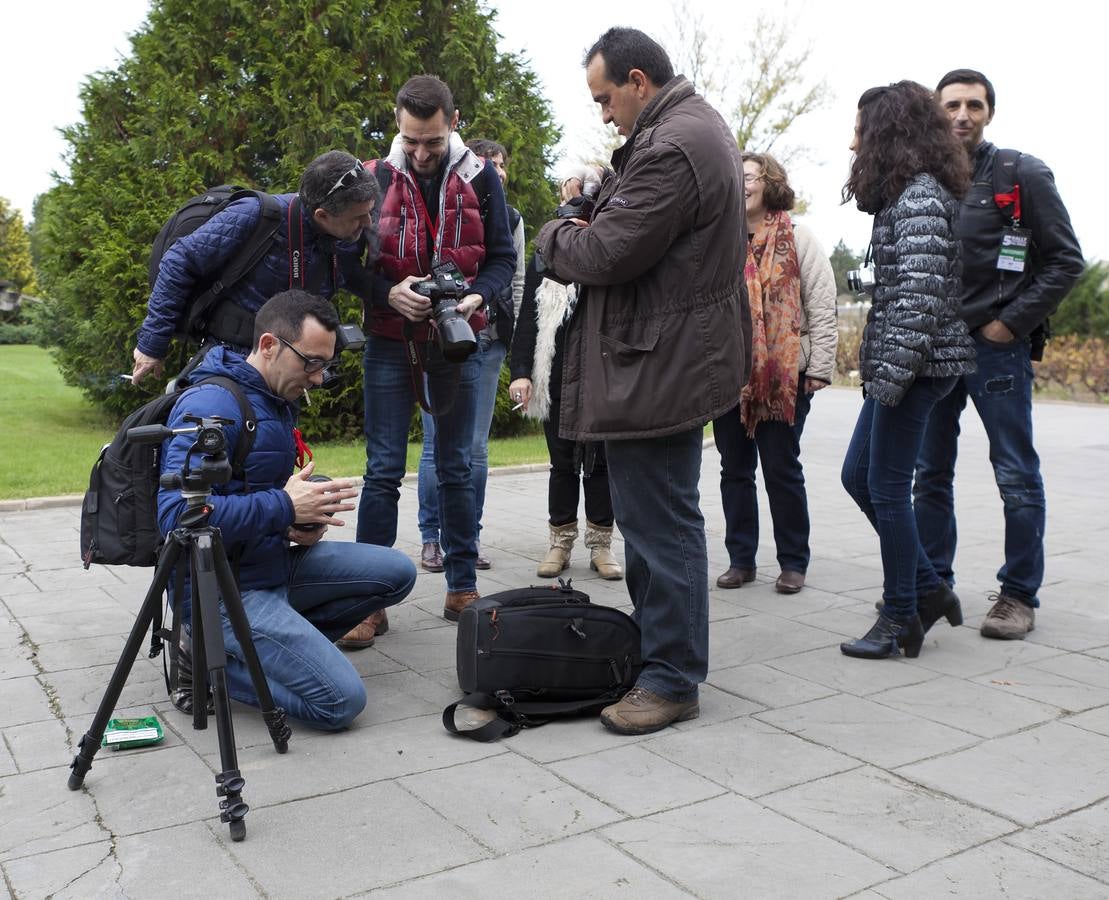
456 602
1009 619
641 711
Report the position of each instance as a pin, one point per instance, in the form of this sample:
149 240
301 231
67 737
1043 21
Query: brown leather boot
598 538
380 621
557 559
456 602
360 636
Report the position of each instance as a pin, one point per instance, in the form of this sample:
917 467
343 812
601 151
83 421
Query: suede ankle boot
557 559
598 538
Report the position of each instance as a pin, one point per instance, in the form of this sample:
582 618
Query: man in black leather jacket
1006 300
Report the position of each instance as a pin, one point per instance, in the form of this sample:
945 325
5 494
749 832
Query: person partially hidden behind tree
300 594
1020 258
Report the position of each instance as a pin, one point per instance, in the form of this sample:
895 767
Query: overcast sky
1045 60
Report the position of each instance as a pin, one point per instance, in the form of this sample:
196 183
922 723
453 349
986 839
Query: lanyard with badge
1015 241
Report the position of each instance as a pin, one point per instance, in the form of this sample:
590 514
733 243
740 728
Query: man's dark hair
335 181
283 315
423 96
968 76
777 195
486 148
624 49
903 133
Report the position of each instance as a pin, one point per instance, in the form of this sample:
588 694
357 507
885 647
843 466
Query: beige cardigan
819 332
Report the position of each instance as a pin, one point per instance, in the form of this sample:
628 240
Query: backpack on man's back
119 515
195 319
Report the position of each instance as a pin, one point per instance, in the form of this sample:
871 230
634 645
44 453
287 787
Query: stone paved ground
980 769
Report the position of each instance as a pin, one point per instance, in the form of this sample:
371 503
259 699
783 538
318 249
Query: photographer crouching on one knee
299 599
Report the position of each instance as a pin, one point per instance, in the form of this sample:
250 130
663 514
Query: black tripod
212 580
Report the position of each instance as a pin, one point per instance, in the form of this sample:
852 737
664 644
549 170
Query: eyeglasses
751 178
312 364
349 179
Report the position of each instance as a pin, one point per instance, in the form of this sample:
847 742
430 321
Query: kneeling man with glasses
300 594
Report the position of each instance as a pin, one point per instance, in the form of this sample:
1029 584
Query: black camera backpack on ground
119 517
538 653
195 320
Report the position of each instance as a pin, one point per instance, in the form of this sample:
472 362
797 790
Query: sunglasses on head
348 179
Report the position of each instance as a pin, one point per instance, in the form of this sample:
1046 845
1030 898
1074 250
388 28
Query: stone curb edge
68 500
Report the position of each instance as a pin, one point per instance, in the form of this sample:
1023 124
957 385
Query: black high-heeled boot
939 603
885 637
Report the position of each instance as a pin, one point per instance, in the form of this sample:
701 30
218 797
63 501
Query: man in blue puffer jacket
319 247
298 599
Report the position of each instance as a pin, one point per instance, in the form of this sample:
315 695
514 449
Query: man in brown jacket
658 345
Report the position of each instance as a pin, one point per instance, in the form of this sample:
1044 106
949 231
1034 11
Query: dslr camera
861 281
445 289
582 206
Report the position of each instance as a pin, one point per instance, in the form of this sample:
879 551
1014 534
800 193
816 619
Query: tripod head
195 482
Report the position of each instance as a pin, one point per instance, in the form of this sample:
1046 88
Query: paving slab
1077 841
729 846
977 770
995 870
867 730
599 871
1029 777
889 819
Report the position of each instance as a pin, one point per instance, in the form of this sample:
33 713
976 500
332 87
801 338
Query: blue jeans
387 389
490 356
878 474
1002 393
777 447
332 587
656 501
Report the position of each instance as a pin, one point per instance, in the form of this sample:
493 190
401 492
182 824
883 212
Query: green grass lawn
50 436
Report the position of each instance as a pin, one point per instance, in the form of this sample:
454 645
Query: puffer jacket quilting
252 518
199 257
914 329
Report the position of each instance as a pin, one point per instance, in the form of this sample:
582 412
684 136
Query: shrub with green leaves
218 91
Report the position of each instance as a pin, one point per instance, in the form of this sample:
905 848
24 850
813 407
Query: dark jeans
777 447
387 389
656 501
878 474
1002 393
570 468
490 355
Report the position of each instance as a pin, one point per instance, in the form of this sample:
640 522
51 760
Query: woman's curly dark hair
902 132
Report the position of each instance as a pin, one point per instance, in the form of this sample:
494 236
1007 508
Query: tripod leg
274 716
229 782
90 742
199 647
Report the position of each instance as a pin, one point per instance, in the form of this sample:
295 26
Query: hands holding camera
417 307
315 504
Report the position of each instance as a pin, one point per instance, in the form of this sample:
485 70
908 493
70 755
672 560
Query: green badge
1014 249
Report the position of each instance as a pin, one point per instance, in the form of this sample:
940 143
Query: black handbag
532 654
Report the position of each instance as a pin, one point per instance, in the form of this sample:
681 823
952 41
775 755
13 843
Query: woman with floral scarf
792 294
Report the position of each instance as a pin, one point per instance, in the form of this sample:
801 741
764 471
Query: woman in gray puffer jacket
908 171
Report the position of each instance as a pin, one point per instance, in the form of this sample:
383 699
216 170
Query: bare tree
762 89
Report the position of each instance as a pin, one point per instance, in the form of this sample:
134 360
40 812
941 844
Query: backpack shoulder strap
383 174
1006 182
249 428
249 255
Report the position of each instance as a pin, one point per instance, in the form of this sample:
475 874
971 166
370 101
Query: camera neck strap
416 353
298 266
